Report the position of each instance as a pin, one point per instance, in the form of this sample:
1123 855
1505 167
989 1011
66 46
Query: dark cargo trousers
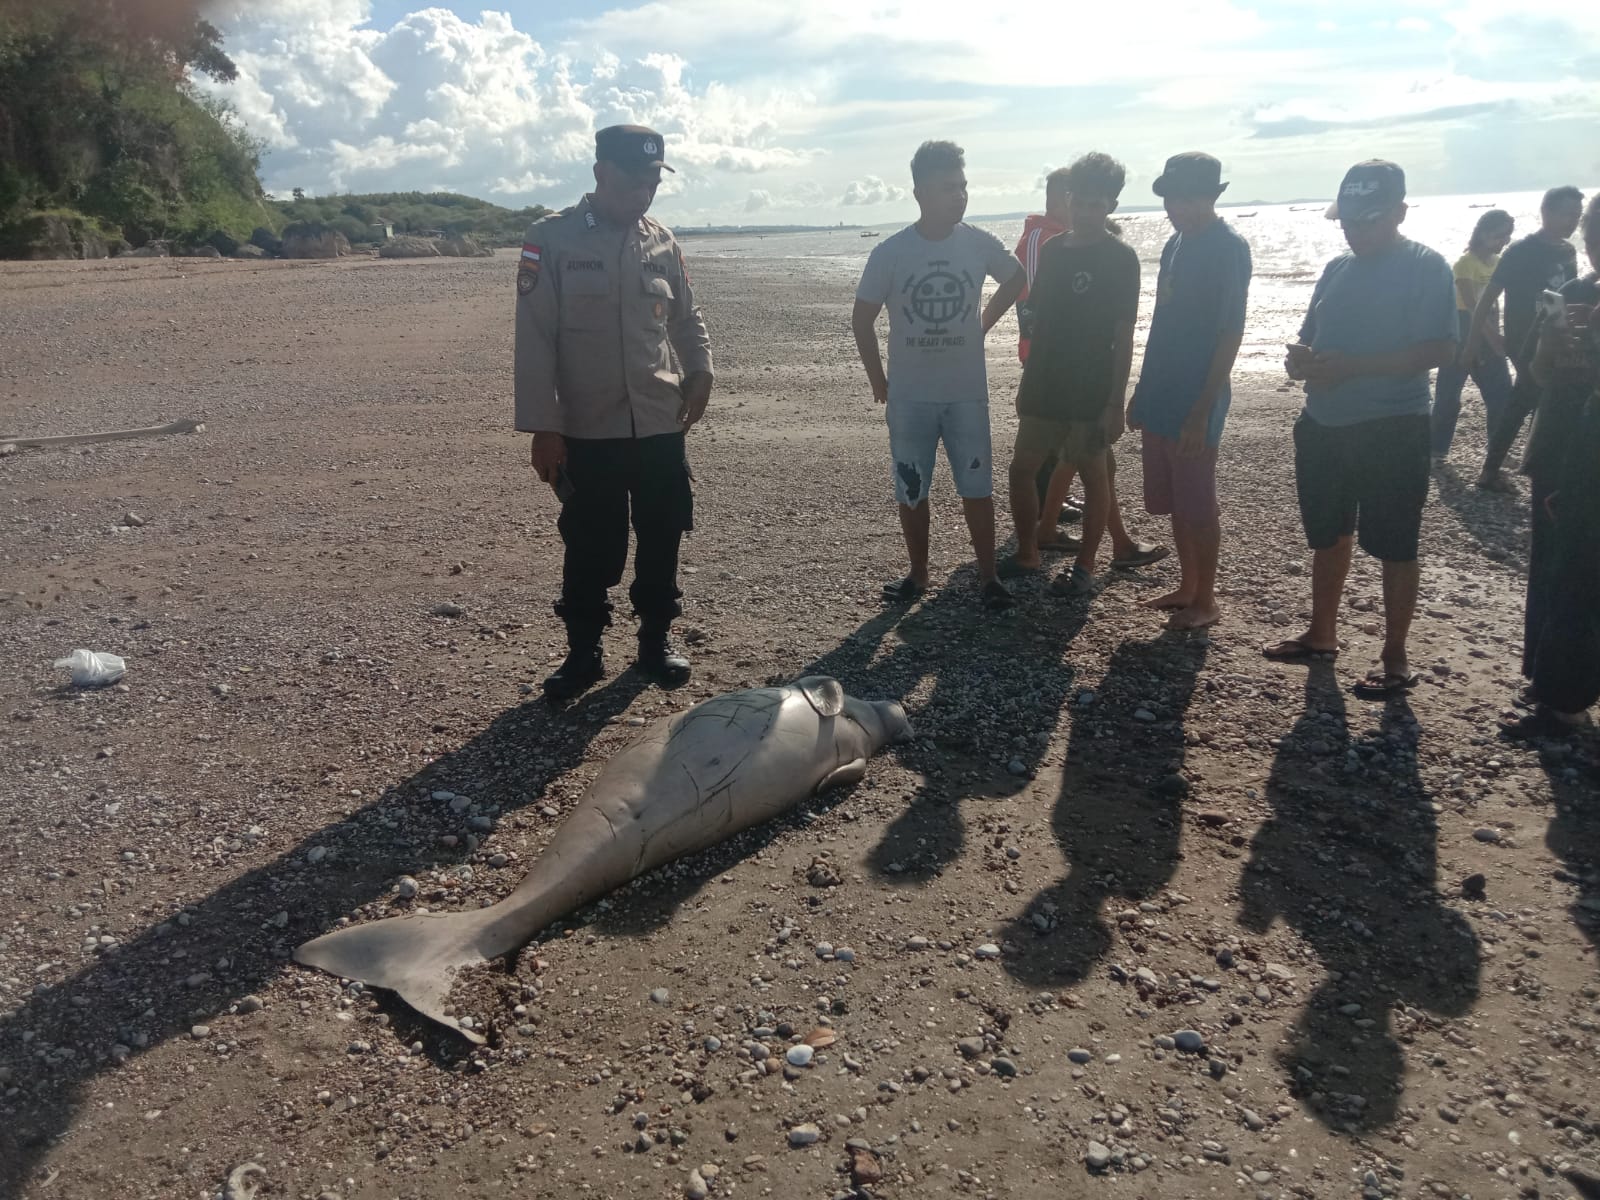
608 477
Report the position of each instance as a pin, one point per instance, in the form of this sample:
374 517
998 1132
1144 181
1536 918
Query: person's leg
663 511
914 448
915 524
1524 395
1055 502
1493 377
1328 514
1159 456
1329 568
1043 477
594 530
964 429
1400 584
1097 507
1197 527
1390 461
1026 457
1125 551
980 525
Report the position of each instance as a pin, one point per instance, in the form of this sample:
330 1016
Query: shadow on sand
1118 817
1496 521
997 682
1349 859
182 972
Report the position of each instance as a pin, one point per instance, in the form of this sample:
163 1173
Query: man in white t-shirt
930 275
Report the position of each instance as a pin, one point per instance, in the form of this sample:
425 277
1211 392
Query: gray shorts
915 431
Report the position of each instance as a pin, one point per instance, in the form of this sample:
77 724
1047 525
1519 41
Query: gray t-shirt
1379 304
934 293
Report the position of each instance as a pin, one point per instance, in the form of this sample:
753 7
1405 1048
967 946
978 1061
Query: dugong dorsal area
686 783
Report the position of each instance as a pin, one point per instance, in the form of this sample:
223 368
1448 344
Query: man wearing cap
1381 317
603 307
1181 400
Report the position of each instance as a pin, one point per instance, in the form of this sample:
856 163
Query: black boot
585 666
659 659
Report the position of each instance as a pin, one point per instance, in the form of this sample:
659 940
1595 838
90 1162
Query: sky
809 113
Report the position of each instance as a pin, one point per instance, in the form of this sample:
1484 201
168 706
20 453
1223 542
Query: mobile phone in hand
562 485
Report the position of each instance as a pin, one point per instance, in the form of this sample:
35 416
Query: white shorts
915 431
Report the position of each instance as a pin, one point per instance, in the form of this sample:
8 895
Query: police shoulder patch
527 277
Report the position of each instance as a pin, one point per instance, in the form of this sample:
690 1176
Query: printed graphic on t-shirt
939 299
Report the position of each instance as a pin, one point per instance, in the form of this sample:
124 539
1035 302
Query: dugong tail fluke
416 957
687 783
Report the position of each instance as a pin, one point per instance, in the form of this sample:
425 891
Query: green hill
360 218
103 135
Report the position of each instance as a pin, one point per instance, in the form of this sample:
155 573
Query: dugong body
688 782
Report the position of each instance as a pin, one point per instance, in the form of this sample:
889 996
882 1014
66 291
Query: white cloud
871 190
441 102
813 110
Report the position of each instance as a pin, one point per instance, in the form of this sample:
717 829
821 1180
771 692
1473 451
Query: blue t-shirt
1379 304
1200 298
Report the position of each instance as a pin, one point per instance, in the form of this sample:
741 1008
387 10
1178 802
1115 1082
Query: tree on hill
100 122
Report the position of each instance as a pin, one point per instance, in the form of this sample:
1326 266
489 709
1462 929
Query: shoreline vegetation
110 145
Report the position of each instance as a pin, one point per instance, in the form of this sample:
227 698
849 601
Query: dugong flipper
688 782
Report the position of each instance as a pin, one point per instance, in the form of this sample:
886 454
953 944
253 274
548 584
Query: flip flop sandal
1379 684
903 591
1010 568
1144 553
1298 650
997 597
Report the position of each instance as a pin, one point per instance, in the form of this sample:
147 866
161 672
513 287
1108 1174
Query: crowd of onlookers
1514 317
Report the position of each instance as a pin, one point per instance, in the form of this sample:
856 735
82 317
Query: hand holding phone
562 485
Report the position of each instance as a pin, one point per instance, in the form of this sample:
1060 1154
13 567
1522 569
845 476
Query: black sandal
903 591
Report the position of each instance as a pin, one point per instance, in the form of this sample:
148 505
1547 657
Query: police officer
613 366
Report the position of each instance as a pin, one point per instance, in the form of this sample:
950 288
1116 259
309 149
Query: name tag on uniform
584 264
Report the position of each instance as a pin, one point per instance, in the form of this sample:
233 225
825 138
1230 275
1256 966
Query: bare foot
1195 616
1171 602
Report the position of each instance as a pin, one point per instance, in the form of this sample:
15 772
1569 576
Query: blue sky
809 113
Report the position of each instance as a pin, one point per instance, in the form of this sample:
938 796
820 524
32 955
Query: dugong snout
884 720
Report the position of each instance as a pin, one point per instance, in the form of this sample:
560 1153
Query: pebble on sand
804 1135
1098 1157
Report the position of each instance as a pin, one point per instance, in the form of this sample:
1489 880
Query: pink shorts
1186 488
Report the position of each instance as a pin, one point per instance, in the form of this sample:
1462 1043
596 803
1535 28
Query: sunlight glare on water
1289 243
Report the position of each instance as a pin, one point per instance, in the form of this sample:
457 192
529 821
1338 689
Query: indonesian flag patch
528 269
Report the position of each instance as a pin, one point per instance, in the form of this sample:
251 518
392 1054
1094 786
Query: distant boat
1479 206
869 233
1242 216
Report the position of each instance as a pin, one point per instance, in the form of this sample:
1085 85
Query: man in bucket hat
1381 317
1181 401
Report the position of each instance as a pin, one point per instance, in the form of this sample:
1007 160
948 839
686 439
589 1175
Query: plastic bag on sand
92 668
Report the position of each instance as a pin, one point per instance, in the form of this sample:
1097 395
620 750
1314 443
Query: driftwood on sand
73 439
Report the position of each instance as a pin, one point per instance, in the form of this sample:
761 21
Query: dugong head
884 720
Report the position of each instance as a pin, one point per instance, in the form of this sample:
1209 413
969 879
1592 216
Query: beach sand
1159 833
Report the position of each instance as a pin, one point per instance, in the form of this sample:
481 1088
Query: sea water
1289 244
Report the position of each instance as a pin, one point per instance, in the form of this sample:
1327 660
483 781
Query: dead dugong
688 782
